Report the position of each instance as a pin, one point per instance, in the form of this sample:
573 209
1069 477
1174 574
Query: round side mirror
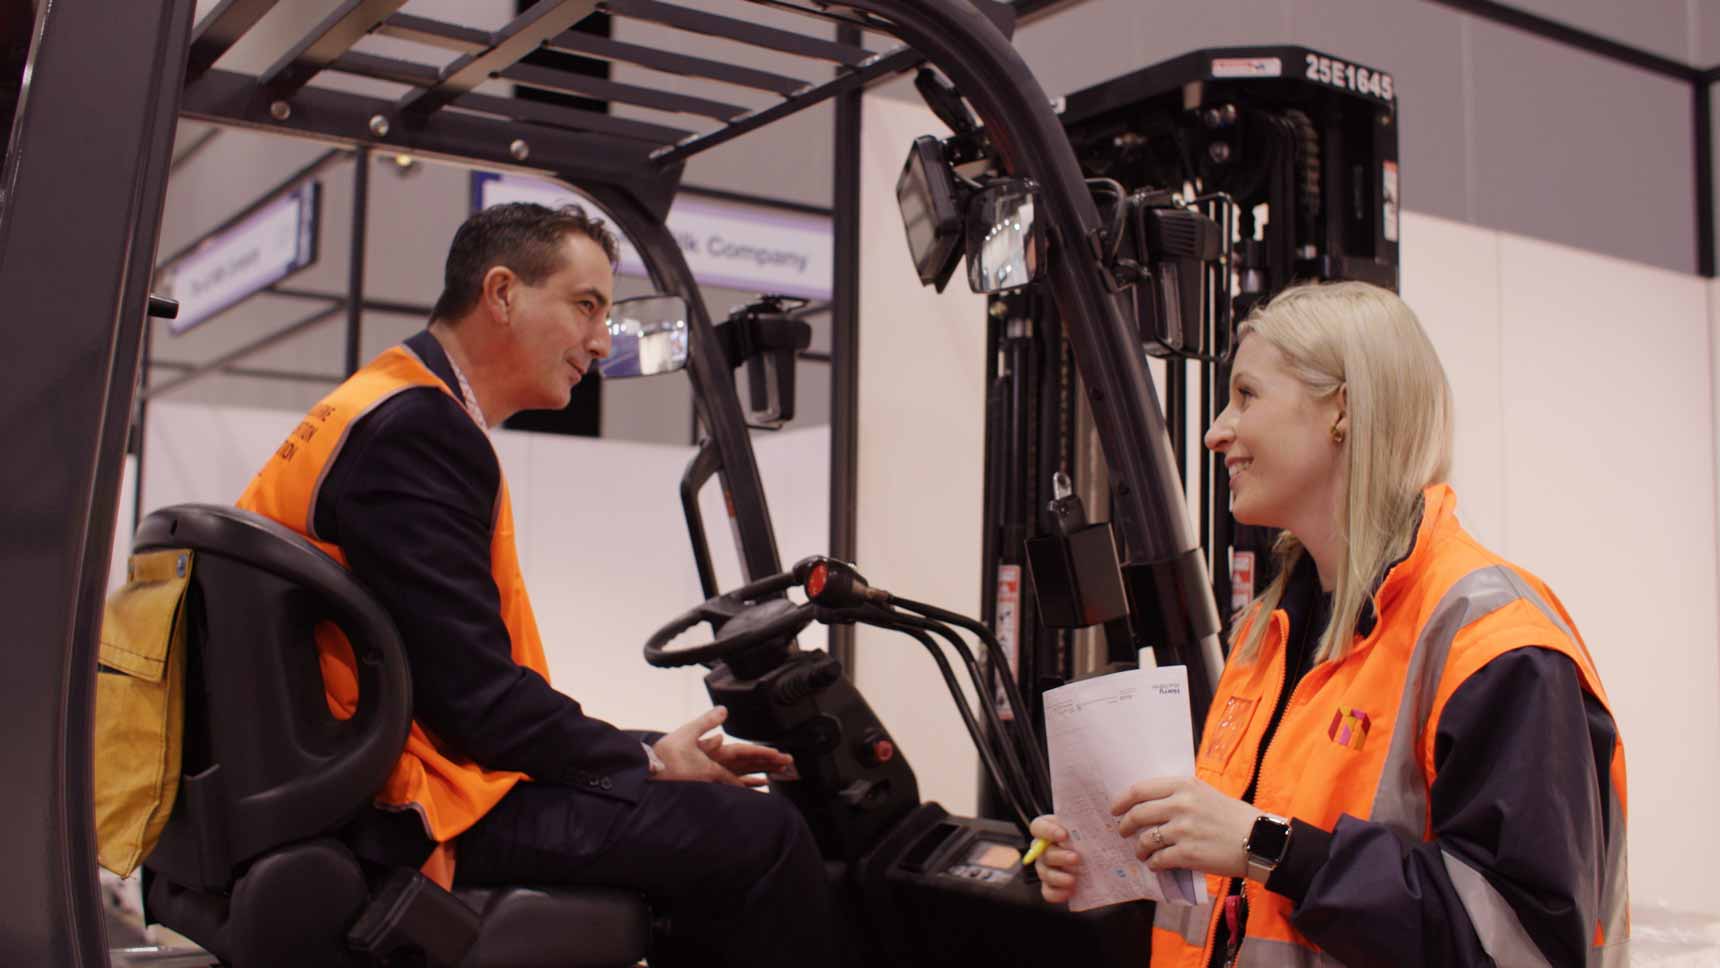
649 336
1005 244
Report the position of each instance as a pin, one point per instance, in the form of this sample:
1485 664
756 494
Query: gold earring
1337 433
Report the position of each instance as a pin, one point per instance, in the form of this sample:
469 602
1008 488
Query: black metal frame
82 209
85 278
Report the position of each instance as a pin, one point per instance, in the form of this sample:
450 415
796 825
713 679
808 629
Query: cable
1017 773
887 620
1011 691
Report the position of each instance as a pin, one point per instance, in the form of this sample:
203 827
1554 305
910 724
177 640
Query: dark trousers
736 871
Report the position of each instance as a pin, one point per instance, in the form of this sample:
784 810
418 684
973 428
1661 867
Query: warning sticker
1241 579
1007 626
1389 198
1247 67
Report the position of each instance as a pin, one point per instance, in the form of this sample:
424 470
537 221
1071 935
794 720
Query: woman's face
1285 465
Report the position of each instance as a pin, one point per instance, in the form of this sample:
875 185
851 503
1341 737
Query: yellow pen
1033 851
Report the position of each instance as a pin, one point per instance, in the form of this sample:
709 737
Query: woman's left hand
1181 822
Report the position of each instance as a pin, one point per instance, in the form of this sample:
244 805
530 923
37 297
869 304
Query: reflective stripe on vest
1188 921
1261 953
1401 802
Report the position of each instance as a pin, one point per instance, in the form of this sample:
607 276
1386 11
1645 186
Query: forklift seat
250 864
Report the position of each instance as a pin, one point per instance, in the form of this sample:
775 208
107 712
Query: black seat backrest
266 762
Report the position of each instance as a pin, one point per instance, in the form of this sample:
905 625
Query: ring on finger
1158 835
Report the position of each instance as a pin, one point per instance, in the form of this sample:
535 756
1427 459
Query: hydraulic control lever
839 588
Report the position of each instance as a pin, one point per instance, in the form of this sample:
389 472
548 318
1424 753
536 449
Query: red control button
815 581
883 751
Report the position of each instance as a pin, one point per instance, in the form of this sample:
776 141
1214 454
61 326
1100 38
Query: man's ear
497 293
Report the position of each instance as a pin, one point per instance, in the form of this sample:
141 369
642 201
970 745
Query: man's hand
689 754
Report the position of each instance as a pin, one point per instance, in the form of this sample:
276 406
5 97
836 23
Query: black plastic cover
413 914
1076 582
1159 595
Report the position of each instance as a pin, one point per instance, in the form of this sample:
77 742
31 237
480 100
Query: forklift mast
1286 162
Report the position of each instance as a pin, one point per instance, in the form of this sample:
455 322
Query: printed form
1104 734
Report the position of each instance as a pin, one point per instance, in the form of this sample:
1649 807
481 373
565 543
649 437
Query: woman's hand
1059 865
1181 822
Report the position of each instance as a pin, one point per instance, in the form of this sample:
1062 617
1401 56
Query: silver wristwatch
1267 845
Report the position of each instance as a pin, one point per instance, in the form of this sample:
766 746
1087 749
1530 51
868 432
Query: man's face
560 326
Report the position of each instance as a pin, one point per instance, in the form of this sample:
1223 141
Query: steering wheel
751 617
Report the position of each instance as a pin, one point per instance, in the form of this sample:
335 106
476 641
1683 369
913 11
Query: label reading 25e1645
1349 77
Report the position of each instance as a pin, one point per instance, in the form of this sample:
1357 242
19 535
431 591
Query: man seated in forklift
1410 759
504 780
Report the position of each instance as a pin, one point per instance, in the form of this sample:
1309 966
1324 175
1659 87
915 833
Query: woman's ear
1341 420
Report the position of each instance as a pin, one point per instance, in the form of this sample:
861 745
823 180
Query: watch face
1269 838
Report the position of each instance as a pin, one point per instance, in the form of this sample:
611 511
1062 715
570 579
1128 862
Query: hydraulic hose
1011 691
1023 786
894 622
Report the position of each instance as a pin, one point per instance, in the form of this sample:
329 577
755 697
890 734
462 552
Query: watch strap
1260 865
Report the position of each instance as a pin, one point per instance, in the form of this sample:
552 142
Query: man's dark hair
525 237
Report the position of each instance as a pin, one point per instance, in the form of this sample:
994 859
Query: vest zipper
1235 916
1240 931
1260 772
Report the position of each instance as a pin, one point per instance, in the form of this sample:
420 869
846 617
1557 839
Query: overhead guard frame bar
525 34
345 26
746 32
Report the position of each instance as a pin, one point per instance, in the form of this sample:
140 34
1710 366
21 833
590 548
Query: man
504 780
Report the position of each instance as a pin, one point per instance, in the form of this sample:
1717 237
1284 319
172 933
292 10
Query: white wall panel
122 525
1451 280
199 453
794 465
608 565
922 395
1610 496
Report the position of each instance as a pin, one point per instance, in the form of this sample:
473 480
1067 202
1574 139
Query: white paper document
1105 734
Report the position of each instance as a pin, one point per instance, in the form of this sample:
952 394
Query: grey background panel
1421 45
790 159
1657 26
1707 33
1100 39
1573 148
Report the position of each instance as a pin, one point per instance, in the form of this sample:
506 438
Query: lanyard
471 399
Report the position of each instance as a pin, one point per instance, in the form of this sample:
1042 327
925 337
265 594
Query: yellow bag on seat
140 708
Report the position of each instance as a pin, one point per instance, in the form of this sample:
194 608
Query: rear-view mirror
1005 246
648 336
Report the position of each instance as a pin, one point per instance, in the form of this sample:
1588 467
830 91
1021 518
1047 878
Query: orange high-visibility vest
1357 738
448 791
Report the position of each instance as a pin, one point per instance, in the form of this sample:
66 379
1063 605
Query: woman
1442 782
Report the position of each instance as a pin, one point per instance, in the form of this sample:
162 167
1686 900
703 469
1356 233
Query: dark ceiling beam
669 62
434 33
743 31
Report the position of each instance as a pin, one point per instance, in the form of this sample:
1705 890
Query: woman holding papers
1409 759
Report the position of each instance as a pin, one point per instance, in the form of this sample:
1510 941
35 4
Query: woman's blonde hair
1365 341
